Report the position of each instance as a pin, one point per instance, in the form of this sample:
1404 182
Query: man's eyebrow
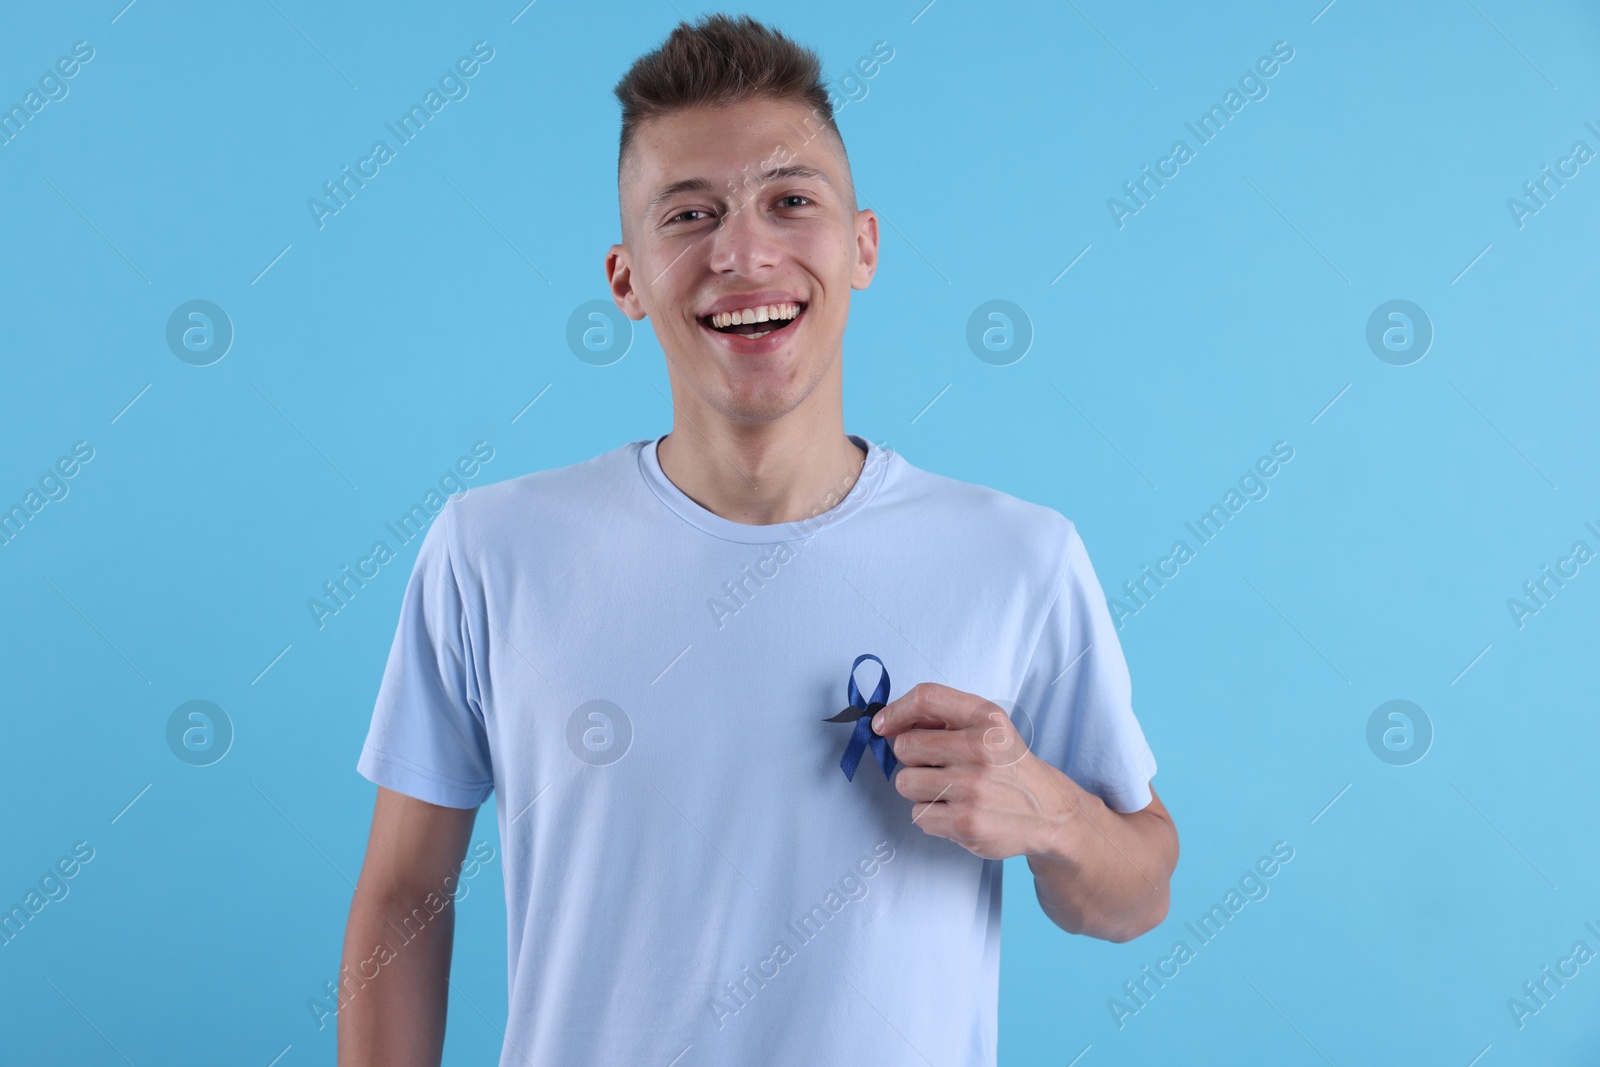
705 185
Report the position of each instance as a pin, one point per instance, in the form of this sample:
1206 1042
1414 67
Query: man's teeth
761 313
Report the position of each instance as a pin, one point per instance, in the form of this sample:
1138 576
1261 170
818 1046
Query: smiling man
643 658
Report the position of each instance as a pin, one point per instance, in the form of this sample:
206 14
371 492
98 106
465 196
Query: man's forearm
1102 873
394 981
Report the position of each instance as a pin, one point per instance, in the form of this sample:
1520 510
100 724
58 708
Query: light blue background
426 315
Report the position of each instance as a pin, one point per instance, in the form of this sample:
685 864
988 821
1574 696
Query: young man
644 657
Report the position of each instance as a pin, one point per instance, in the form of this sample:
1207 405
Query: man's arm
1096 871
394 982
1105 873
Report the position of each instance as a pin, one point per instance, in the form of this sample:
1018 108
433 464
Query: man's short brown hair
717 61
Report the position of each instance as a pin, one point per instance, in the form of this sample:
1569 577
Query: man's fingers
931 748
929 704
993 741
929 784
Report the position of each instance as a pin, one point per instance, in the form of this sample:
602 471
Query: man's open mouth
756 321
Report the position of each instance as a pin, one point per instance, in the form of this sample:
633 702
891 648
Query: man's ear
866 249
619 276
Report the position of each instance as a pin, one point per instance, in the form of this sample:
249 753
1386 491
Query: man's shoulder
534 501
992 518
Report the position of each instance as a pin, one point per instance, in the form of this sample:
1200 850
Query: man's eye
784 201
684 215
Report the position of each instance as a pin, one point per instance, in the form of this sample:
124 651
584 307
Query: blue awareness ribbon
861 712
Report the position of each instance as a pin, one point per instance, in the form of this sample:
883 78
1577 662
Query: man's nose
744 242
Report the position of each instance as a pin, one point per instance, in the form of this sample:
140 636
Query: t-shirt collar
873 472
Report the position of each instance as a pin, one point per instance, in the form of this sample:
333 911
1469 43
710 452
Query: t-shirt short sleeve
1077 693
427 737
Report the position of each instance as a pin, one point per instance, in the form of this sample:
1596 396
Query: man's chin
760 411
747 389
747 403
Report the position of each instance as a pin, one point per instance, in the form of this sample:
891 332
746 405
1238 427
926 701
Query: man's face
743 207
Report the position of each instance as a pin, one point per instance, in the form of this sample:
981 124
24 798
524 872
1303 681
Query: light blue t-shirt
642 685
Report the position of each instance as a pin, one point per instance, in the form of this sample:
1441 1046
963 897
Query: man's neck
781 471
